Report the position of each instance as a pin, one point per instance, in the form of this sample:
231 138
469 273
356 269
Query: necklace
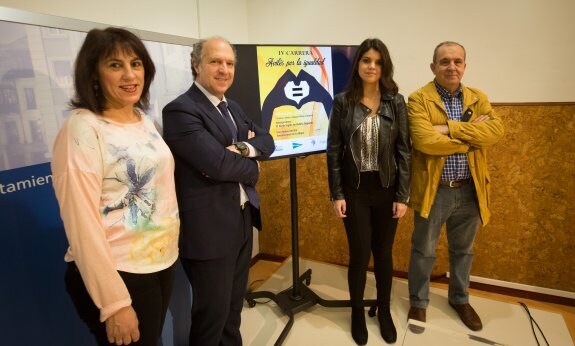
372 104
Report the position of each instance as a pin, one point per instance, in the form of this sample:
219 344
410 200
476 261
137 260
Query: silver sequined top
369 132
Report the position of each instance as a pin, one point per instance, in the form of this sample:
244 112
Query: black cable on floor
250 290
261 302
533 325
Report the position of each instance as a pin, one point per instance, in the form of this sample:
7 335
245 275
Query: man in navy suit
215 147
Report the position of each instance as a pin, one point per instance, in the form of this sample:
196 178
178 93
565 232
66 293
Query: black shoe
418 314
386 326
358 328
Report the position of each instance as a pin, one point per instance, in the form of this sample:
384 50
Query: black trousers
150 295
218 287
370 228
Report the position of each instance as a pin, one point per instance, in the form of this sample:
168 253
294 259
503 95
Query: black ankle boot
358 328
386 326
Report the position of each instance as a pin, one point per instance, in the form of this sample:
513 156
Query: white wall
179 19
227 18
186 18
518 50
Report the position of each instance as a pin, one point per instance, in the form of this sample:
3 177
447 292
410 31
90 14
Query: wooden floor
261 270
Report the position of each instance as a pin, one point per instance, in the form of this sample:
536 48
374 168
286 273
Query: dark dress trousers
216 232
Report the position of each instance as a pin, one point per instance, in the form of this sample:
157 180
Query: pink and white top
115 187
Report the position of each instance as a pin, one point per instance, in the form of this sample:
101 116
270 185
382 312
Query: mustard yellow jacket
430 148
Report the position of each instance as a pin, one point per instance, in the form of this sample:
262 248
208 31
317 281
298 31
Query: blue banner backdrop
35 309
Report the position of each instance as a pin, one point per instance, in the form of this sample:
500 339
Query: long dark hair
386 83
99 45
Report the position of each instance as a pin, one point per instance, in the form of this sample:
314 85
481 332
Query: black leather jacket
344 146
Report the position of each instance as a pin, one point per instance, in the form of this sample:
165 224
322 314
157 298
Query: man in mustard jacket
451 126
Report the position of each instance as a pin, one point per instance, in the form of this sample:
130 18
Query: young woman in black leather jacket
369 167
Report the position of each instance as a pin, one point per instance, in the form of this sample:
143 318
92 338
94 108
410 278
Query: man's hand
339 207
122 327
444 129
251 134
234 149
481 118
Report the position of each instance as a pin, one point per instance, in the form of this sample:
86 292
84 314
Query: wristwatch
243 148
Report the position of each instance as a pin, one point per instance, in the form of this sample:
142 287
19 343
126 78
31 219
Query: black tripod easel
298 297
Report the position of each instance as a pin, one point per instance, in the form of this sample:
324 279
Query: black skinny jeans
370 228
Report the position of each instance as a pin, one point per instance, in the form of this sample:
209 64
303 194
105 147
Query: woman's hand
399 209
122 327
339 207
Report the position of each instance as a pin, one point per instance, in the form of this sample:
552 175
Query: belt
455 184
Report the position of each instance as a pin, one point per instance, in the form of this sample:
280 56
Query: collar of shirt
444 93
453 103
213 99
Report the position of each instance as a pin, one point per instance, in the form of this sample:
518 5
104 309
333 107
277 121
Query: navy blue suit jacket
207 174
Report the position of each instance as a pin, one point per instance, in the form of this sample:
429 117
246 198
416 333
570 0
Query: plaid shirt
456 166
